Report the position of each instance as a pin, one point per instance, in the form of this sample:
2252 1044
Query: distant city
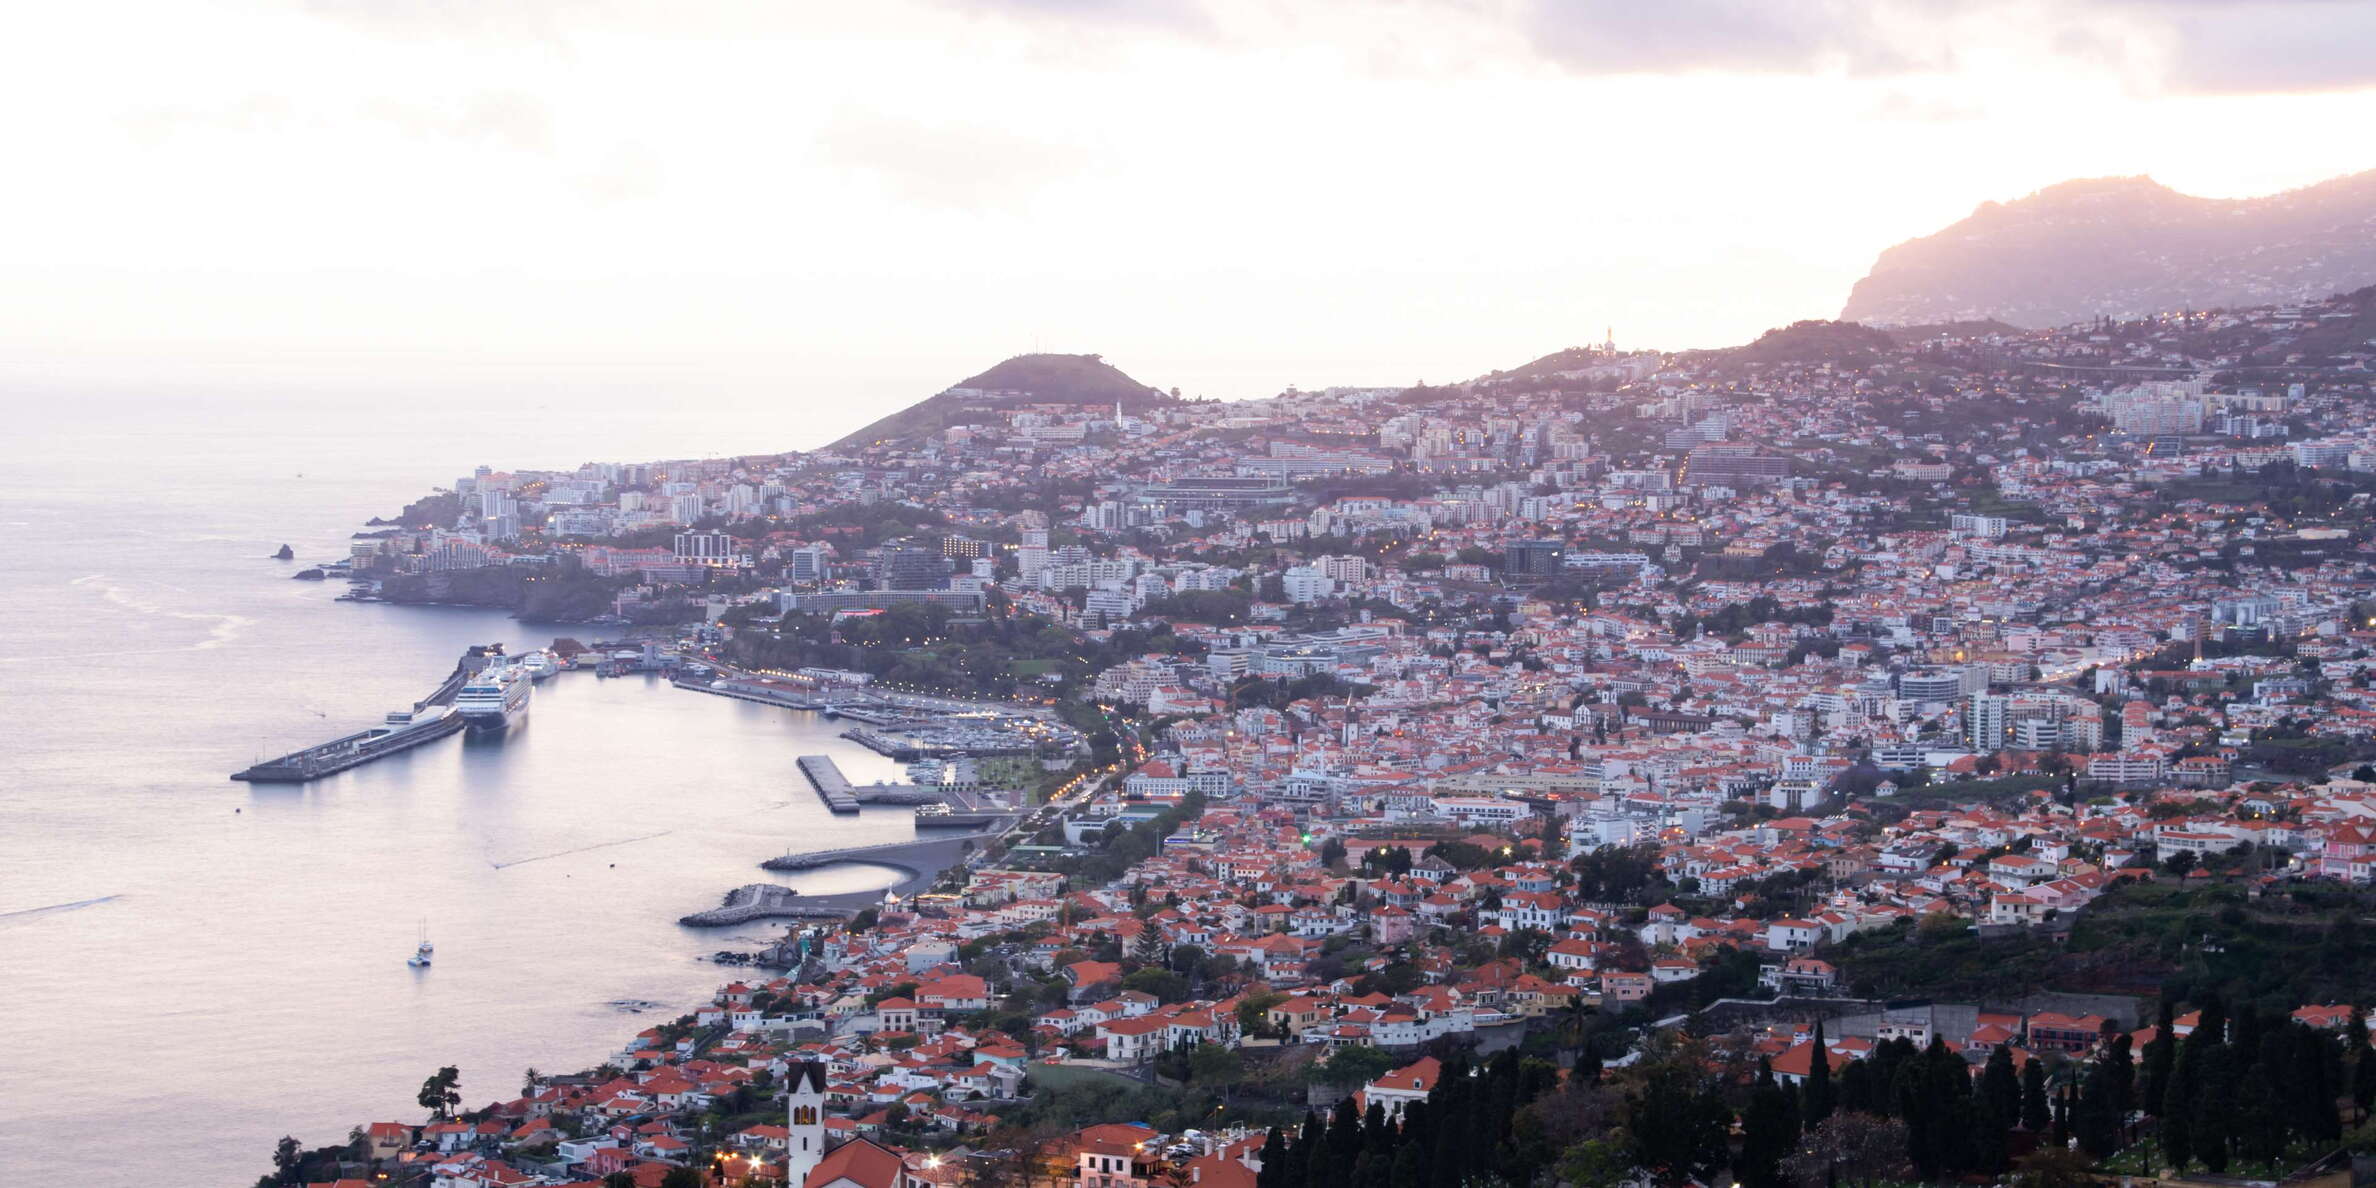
1869 754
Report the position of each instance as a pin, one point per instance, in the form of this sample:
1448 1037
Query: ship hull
485 725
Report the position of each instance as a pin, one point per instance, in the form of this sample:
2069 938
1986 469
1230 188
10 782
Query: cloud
1737 36
1178 16
499 20
249 113
2178 46
1924 109
954 166
510 119
2256 46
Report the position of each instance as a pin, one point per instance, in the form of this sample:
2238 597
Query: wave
627 841
57 908
222 628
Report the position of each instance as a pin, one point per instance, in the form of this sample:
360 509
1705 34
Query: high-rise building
808 563
908 566
707 548
1533 558
1988 721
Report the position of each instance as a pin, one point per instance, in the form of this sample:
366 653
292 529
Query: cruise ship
497 697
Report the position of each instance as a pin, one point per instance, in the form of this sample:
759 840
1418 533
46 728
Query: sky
826 210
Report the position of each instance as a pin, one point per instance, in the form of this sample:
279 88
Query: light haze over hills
2126 246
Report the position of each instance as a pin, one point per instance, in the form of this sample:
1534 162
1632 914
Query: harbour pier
431 718
886 854
830 783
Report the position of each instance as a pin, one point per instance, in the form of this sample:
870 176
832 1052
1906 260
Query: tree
1855 1148
2034 1111
1217 1066
441 1093
2363 1066
1769 1129
1678 1126
1816 1095
681 1177
1148 946
286 1155
2177 1115
1358 1064
1274 1171
2000 1104
2161 1052
2260 1124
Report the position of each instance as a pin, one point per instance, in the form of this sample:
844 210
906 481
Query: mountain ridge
2125 247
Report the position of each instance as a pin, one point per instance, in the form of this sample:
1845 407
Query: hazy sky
850 204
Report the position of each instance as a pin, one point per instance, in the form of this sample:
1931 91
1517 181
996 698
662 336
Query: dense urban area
1861 756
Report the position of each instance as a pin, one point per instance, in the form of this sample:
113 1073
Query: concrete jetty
827 778
842 796
760 901
402 732
887 854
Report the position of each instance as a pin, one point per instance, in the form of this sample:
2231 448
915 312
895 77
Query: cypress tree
1410 1167
1816 1095
2214 1122
1311 1153
2121 1078
1765 1133
2093 1119
2177 1114
1994 1111
2000 1086
1274 1161
2259 1124
2363 1076
1855 1088
2035 1113
2160 1054
2355 1046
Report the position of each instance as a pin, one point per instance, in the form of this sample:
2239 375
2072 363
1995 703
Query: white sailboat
421 955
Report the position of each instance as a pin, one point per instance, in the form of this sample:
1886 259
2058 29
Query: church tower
806 1146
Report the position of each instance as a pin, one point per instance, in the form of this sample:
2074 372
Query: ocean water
192 967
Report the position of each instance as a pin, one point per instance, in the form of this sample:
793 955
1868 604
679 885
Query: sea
190 967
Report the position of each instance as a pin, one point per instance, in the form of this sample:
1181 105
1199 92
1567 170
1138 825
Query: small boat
422 954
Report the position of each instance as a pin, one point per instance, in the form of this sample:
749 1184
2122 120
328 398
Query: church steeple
806 1144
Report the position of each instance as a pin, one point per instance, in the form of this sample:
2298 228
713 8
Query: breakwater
761 901
899 854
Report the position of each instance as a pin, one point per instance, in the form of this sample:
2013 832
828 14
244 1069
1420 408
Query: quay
430 719
831 785
842 796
